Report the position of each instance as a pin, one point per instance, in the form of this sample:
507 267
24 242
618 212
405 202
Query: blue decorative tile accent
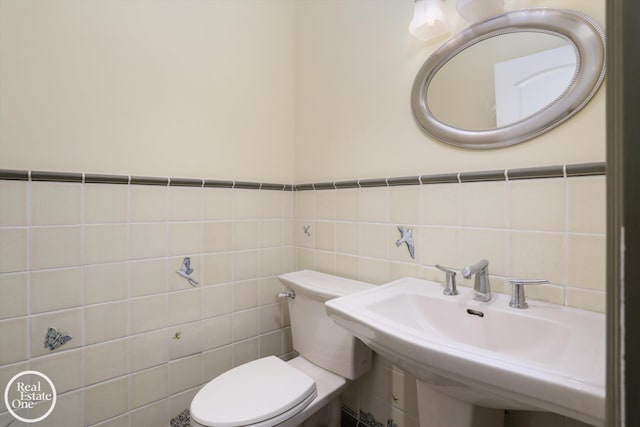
186 270
305 229
182 420
54 339
406 237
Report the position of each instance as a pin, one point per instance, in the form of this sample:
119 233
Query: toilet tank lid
321 285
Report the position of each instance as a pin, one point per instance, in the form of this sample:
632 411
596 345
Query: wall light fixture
429 20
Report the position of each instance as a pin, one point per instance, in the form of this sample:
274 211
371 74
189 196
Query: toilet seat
264 392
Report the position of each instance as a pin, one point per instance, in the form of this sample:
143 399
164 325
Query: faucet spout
481 284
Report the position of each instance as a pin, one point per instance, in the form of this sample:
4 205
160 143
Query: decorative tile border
349 418
556 171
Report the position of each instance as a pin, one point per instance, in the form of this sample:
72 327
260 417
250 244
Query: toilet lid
251 393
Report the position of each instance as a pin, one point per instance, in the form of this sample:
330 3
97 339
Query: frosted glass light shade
476 10
429 20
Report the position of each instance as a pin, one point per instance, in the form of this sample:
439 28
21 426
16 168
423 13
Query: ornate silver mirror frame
579 30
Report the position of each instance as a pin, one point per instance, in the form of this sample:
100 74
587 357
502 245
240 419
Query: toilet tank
315 336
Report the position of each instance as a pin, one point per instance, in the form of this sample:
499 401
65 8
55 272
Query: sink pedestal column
439 410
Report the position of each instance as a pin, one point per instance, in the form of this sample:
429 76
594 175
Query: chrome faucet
481 285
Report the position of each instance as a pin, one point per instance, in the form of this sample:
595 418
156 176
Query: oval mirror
509 78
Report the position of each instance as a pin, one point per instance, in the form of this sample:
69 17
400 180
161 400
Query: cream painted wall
355 65
185 88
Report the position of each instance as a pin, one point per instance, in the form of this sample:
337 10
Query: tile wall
99 262
549 228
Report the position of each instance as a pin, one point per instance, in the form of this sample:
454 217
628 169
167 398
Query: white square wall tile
245 324
104 283
218 204
217 300
185 238
106 322
440 204
326 204
216 332
246 235
64 369
152 415
439 246
15 197
246 265
185 373
347 204
147 240
53 247
271 204
148 313
6 373
13 340
185 203
13 295
587 204
106 203
537 204
404 205
56 203
537 256
148 277
14 245
105 361
55 289
586 261
246 204
106 400
148 203
483 204
184 306
148 350
218 268
373 205
68 411
217 362
149 386
217 236
184 340
105 243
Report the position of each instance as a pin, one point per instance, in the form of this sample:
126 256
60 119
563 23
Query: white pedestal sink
483 355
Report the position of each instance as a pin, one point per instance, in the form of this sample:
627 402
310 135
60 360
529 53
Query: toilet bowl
271 392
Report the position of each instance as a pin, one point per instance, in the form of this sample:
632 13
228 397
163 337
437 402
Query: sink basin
547 357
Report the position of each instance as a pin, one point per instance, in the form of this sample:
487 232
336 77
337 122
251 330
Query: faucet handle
450 282
518 299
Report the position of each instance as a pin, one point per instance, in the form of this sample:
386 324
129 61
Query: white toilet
270 392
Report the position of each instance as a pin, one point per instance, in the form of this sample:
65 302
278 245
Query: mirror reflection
502 80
